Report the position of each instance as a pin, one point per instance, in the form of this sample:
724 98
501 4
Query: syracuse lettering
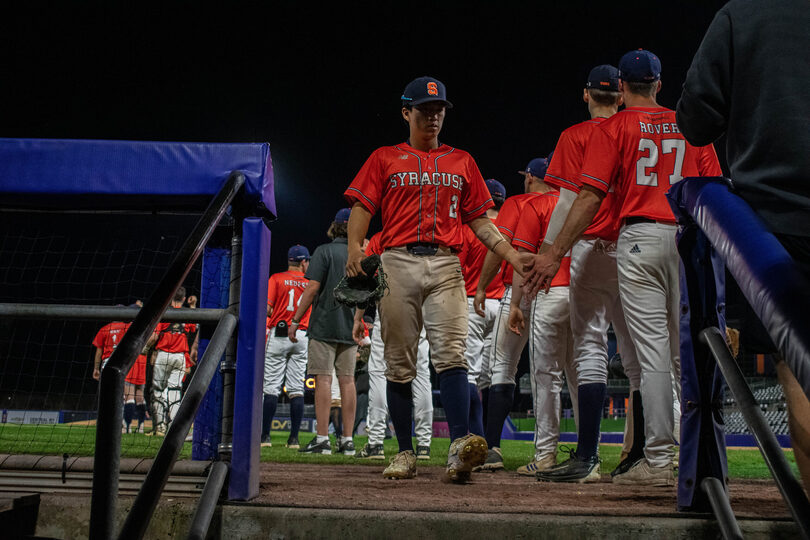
666 127
412 178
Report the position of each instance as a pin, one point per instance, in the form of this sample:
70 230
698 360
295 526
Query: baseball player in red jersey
507 346
285 362
480 329
594 289
377 418
550 341
105 342
639 152
426 192
171 345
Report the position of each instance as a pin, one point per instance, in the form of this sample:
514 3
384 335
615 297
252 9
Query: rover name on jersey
412 178
666 127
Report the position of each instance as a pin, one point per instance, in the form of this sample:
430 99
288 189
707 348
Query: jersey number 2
651 160
453 206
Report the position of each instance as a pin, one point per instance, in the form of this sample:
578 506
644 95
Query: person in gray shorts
331 345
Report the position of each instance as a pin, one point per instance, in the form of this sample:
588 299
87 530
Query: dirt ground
362 487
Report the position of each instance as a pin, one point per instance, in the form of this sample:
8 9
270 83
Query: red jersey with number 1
564 173
532 229
471 257
284 291
423 196
108 338
640 153
507 222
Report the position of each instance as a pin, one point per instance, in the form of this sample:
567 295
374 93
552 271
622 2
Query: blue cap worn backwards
536 167
298 253
640 66
496 190
604 77
425 89
342 215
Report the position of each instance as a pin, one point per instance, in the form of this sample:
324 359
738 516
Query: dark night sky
321 85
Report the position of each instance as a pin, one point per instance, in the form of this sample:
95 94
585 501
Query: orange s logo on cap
432 89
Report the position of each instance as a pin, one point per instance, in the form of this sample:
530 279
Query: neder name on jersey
437 179
295 283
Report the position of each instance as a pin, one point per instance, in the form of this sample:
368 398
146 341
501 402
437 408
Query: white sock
321 438
344 440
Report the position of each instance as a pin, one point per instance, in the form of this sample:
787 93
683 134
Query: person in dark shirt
749 81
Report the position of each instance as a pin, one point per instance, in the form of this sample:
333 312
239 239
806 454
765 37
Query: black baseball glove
363 291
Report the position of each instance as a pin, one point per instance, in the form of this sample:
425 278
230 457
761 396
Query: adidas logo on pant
635 249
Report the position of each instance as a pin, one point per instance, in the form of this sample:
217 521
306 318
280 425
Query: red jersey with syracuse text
284 292
173 336
108 338
564 173
471 257
374 247
507 222
423 196
640 152
532 228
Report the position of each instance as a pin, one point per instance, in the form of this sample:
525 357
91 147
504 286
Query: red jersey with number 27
472 256
640 152
507 222
284 291
564 173
423 196
532 229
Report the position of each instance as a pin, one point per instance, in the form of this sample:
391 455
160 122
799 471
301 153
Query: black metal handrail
729 528
103 313
208 501
108 426
775 459
144 506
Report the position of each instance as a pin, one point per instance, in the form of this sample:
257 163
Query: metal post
71 312
149 494
729 528
790 488
208 501
111 410
228 368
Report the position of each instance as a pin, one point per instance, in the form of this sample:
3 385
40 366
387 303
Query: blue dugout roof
139 175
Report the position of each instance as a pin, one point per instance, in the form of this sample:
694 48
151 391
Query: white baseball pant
377 401
479 341
550 354
167 383
595 304
648 267
285 362
506 346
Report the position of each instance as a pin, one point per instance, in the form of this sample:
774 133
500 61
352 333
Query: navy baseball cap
298 253
604 77
536 167
496 190
342 215
423 90
640 66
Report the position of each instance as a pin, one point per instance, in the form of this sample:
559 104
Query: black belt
632 220
422 248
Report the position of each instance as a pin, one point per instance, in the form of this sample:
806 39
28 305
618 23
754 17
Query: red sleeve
367 186
708 162
98 341
601 160
566 164
508 218
475 199
530 228
271 291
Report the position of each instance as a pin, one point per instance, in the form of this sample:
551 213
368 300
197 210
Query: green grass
77 440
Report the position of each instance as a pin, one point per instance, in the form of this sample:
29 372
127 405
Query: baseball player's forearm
307 297
358 227
489 270
579 218
97 359
493 240
517 291
557 220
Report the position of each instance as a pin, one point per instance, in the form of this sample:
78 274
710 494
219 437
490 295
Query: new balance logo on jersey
635 249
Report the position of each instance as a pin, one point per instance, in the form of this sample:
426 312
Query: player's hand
359 332
479 302
96 373
353 267
291 329
192 301
539 273
517 323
